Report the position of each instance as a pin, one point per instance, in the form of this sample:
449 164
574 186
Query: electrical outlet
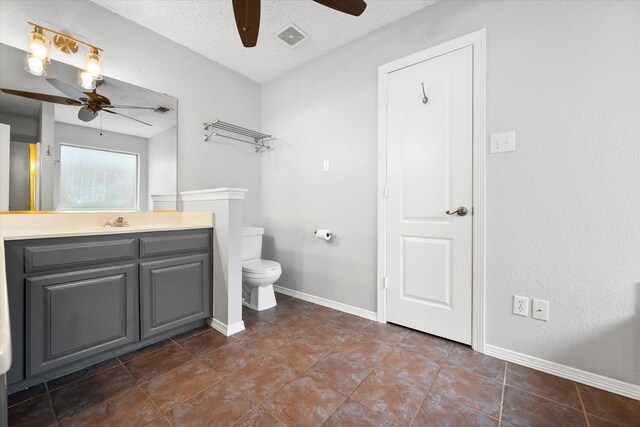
325 166
503 142
521 306
540 309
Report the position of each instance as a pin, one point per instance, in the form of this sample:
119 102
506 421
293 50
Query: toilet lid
259 266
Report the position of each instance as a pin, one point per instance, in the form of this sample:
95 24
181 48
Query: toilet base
258 298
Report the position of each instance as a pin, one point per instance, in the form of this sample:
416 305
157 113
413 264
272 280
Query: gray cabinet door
174 292
71 316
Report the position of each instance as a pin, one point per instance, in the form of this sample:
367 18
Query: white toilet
258 275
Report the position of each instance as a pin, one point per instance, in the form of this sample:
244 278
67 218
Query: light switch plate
503 142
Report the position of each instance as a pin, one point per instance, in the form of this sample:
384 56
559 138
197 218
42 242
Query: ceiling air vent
291 35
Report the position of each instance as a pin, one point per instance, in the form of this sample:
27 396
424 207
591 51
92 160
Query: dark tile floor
306 365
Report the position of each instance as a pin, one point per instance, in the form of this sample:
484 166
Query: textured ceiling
208 27
13 76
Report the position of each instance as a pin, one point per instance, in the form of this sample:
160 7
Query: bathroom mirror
51 160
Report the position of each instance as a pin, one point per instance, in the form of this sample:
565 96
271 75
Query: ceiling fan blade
68 90
247 13
128 117
86 115
42 97
351 7
129 107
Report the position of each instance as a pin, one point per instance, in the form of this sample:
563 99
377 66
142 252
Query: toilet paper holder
323 234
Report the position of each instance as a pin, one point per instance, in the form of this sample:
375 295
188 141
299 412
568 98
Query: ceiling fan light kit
38 54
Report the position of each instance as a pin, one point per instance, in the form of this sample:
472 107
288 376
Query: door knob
462 211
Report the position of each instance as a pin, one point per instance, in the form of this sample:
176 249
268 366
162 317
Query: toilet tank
251 242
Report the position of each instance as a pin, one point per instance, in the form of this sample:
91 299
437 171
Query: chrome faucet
119 222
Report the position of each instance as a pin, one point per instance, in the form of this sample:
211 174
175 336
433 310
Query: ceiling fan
247 14
91 103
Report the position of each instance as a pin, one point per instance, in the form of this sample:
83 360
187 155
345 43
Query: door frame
477 40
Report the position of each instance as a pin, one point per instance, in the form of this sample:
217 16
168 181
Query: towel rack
258 138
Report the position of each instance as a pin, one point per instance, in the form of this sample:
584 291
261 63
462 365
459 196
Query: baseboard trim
346 308
224 328
574 374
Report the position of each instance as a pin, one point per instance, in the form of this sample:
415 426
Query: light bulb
38 44
86 80
35 65
93 64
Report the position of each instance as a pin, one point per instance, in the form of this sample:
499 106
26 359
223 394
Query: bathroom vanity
75 301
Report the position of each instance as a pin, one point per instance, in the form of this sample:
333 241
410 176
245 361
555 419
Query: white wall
162 168
205 89
5 165
563 220
89 137
46 136
23 128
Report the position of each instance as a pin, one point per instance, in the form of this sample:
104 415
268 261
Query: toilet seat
261 267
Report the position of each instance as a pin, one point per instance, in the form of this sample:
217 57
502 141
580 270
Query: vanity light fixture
86 80
93 63
37 57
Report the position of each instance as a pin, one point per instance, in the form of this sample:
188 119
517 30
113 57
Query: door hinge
386 192
386 100
384 282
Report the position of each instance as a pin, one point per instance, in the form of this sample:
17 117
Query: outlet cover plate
521 306
540 309
503 142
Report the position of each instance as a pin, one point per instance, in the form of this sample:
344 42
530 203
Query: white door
5 164
429 172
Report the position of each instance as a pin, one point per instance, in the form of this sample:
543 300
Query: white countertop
49 225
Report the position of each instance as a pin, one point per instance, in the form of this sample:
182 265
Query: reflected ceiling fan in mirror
247 14
90 103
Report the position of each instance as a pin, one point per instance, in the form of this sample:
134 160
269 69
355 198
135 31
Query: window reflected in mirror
92 178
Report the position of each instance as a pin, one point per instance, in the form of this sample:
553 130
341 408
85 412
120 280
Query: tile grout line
504 386
194 396
469 370
46 390
303 373
445 362
543 397
350 332
49 390
584 409
102 401
101 371
144 353
153 403
53 412
413 420
243 415
188 398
